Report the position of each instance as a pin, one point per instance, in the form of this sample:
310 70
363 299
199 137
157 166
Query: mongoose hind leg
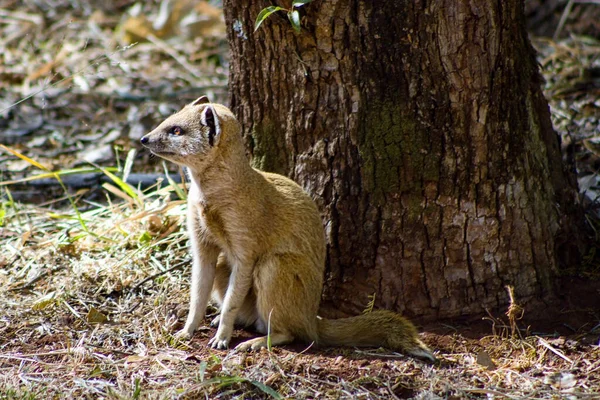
288 290
277 339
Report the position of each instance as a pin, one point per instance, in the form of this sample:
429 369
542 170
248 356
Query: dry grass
82 319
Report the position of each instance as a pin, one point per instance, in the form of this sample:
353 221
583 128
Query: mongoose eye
176 130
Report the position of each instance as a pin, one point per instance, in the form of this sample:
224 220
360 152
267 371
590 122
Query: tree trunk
421 131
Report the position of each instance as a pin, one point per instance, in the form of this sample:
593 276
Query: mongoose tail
378 328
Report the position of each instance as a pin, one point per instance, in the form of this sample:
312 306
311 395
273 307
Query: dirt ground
94 283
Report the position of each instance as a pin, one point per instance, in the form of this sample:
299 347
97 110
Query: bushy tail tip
422 352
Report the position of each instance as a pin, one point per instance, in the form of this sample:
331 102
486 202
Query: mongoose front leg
203 275
239 285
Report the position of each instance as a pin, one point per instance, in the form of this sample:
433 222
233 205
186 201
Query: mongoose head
192 136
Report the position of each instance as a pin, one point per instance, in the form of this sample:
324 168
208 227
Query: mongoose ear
210 119
201 100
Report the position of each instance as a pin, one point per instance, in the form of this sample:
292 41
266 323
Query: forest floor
93 275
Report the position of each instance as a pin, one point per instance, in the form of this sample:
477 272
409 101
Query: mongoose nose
144 140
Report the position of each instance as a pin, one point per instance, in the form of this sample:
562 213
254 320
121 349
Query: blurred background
82 81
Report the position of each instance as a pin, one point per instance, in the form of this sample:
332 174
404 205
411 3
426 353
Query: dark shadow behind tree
421 131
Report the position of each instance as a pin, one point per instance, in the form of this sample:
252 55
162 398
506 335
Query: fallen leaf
96 317
134 358
484 359
44 301
561 380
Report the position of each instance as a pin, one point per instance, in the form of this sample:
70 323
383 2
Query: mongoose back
258 244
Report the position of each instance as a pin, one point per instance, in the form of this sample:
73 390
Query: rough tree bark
420 129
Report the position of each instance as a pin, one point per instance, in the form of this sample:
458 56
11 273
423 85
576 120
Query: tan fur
258 244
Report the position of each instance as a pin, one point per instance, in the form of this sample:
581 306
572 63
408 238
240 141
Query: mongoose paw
219 343
243 347
215 322
184 334
252 344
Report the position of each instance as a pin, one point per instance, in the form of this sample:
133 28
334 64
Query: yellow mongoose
258 244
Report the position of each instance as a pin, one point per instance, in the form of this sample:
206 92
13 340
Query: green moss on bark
266 154
395 151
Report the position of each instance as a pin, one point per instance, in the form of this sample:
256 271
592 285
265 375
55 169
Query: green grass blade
294 17
180 193
300 3
64 172
128 164
264 14
266 389
24 157
53 175
124 186
269 331
75 208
